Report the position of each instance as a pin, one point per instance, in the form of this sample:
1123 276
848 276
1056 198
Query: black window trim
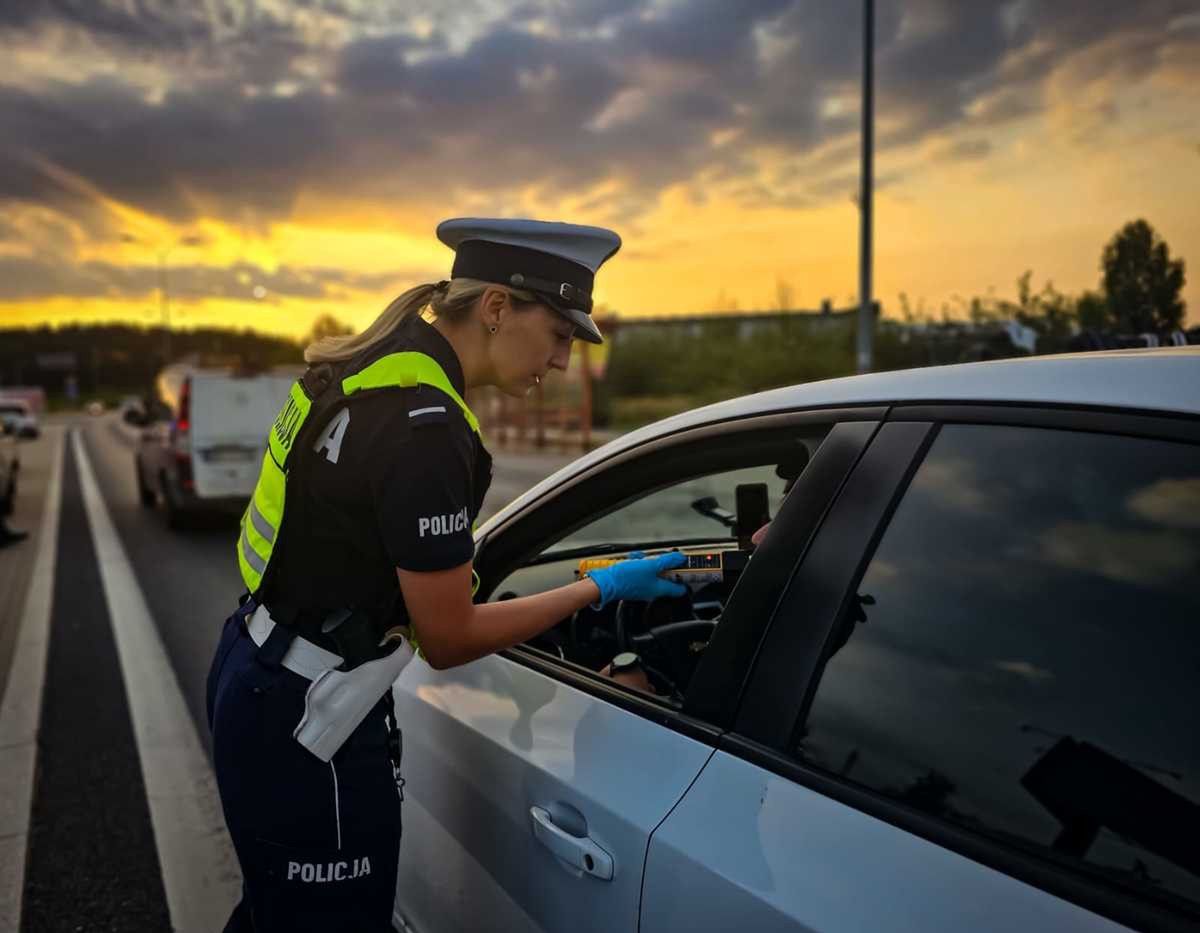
775 696
760 744
737 643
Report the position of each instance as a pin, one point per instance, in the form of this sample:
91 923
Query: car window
680 493
666 514
1025 661
674 512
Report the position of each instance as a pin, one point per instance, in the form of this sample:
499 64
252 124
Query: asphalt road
92 862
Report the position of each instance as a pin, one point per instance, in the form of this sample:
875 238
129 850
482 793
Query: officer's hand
639 579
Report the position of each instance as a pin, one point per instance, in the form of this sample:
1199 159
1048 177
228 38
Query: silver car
955 686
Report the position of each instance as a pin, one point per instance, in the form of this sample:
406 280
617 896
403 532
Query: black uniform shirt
394 479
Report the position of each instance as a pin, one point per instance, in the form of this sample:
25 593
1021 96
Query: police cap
555 261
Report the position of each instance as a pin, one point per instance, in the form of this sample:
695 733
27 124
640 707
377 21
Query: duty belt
302 656
356 635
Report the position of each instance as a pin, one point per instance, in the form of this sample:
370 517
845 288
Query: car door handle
579 852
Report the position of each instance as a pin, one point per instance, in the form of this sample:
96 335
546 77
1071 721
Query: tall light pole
164 298
866 311
164 302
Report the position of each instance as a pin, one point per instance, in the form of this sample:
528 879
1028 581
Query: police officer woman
356 548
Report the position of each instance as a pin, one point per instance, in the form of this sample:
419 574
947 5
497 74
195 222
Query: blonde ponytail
452 301
345 346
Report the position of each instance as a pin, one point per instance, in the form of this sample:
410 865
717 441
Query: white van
205 447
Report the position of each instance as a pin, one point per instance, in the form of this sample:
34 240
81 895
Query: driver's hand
639 579
635 678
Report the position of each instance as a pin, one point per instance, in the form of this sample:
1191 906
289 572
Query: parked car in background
22 416
33 396
204 445
132 409
954 688
10 463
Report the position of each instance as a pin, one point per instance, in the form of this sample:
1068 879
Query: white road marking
199 868
21 708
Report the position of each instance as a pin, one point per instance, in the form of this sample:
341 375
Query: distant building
739 324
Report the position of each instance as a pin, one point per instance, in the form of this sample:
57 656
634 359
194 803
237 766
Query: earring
492 329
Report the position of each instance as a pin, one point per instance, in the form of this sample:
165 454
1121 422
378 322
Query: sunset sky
288 159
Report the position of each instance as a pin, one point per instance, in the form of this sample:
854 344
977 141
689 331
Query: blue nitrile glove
638 579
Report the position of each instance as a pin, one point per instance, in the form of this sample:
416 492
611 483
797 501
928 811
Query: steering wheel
666 682
655 633
659 633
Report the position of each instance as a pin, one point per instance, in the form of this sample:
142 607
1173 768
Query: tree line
106 359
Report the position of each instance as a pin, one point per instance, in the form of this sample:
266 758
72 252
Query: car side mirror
709 507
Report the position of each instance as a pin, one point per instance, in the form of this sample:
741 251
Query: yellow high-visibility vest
262 522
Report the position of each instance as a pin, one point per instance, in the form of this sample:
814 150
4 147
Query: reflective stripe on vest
263 518
406 370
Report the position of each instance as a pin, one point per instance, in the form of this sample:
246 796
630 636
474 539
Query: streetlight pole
866 311
164 303
164 298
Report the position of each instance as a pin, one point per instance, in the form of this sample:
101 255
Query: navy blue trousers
318 842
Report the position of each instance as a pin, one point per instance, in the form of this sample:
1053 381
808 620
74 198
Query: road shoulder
17 560
21 696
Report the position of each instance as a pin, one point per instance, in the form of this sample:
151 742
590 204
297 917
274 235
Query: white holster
336 701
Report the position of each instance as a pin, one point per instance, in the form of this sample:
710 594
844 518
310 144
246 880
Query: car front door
530 802
533 784
974 707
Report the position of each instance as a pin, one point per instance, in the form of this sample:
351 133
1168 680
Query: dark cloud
590 14
196 150
375 66
351 100
24 278
711 34
964 150
951 63
155 24
158 27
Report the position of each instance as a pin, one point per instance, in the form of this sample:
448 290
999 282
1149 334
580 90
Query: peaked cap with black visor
555 261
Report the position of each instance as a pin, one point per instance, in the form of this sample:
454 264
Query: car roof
1164 379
